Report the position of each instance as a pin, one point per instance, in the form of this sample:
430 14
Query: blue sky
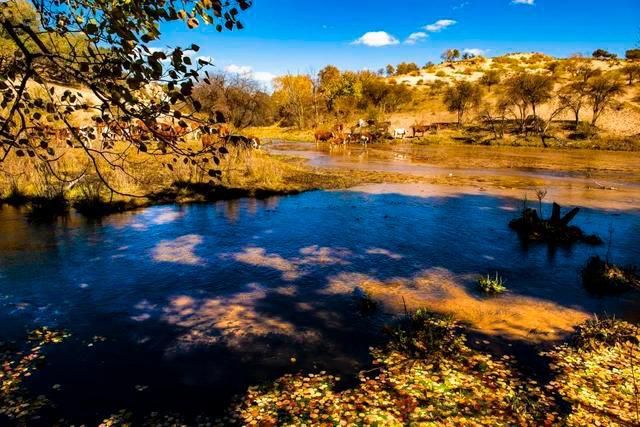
283 36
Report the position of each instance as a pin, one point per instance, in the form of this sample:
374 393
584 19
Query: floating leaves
457 386
16 366
453 385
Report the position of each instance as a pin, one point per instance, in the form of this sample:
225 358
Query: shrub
585 130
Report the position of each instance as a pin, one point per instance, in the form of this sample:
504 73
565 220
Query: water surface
180 308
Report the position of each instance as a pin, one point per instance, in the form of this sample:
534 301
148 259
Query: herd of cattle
105 134
371 131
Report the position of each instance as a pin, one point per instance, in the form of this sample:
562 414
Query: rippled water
180 308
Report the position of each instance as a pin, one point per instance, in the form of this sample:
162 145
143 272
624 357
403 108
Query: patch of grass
281 133
603 331
602 277
427 335
492 285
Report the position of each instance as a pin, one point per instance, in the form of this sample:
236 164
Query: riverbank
284 168
244 174
472 136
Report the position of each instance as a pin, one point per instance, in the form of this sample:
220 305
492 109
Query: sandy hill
624 120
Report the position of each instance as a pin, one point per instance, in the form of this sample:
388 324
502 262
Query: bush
584 131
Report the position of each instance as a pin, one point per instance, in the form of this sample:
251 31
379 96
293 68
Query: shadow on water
181 308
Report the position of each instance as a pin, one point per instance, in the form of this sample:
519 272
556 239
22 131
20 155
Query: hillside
427 107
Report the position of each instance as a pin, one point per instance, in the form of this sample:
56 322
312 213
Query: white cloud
264 76
247 71
416 37
527 2
442 24
475 51
238 69
377 39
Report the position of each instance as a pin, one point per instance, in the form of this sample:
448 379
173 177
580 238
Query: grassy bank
281 133
72 182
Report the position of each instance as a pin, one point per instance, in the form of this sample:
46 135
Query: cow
255 142
365 138
420 129
400 133
209 140
323 136
240 141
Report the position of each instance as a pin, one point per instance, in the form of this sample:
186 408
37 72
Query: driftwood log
556 229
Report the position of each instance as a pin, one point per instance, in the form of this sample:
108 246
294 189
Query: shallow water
180 308
591 167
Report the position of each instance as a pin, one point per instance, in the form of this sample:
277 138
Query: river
179 308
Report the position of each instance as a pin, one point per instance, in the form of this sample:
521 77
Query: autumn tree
104 48
575 97
406 68
335 84
461 97
293 95
450 55
530 90
490 79
384 97
632 71
603 91
391 70
603 54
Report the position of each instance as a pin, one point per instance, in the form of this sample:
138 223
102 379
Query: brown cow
209 140
420 129
323 136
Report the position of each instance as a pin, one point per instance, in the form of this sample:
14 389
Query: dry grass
280 133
